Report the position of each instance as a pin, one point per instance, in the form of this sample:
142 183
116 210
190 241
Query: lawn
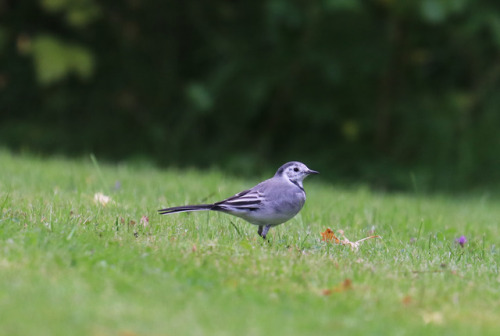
72 265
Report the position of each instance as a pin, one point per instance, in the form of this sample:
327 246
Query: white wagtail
269 203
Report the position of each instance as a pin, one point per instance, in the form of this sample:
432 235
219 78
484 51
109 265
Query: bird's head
295 171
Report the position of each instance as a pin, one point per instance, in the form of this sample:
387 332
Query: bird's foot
263 230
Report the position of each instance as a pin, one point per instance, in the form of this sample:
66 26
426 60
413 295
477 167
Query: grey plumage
269 203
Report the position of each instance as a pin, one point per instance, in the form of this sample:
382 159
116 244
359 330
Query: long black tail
186 208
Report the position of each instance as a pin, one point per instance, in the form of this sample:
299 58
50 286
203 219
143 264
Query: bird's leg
263 230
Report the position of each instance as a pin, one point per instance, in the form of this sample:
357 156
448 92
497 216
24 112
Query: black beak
310 171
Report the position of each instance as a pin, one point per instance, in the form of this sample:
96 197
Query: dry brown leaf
342 287
326 292
345 285
407 300
329 236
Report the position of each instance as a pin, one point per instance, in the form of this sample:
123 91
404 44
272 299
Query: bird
270 203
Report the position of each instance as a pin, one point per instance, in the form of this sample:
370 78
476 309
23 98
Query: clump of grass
71 265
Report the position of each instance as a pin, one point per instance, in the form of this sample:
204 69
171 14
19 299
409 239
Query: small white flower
101 198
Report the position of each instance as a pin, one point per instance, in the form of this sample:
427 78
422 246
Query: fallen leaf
326 292
345 285
329 236
342 287
407 300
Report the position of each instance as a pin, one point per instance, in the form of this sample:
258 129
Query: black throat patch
298 185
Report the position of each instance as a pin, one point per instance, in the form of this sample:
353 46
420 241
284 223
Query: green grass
69 266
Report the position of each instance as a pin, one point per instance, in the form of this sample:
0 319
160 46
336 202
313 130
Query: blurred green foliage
55 60
399 94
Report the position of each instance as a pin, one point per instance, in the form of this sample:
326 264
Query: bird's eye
295 169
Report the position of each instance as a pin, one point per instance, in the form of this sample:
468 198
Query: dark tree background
386 92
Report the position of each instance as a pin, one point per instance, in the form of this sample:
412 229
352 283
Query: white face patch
296 172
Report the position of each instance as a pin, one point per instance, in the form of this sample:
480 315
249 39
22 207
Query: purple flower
462 240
